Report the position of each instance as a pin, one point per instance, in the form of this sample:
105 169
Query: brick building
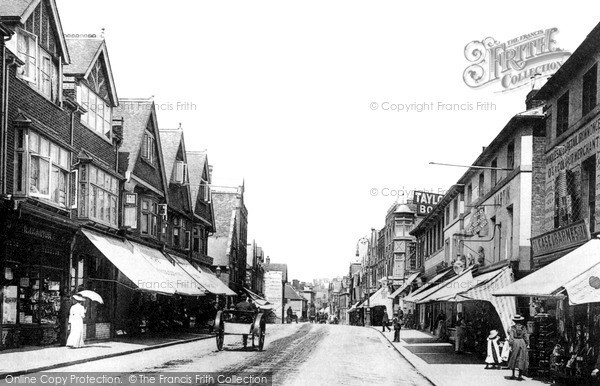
228 244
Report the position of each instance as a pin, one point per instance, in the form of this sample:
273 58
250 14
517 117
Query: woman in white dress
76 315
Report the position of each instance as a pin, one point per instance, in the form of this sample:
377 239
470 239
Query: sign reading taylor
560 239
425 201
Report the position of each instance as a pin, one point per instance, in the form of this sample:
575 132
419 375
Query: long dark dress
519 340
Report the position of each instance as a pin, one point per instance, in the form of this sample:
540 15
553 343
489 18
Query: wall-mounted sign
425 201
478 223
560 239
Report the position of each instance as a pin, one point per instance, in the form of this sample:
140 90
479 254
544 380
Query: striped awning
430 284
506 306
447 289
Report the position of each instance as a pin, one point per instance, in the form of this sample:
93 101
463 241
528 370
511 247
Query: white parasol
91 295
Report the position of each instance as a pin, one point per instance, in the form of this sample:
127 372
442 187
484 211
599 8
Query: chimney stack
530 101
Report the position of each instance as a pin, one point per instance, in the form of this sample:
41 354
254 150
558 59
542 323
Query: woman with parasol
76 315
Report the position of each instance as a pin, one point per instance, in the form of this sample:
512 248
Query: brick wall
102 330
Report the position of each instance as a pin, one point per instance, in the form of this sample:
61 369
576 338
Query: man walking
397 322
385 322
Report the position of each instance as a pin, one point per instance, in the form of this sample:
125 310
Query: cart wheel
219 329
261 334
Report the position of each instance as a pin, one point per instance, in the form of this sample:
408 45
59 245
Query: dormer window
148 152
180 175
99 113
40 69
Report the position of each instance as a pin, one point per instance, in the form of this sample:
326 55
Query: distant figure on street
245 305
312 313
76 315
493 351
518 339
440 326
385 321
397 322
461 332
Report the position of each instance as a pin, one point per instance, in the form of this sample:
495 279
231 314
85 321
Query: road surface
295 354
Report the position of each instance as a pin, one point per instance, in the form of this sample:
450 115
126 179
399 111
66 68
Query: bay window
98 116
42 169
98 195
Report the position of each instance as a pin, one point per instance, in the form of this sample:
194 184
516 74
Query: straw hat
518 318
493 334
79 298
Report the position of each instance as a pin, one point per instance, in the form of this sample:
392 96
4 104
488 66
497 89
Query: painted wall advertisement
274 291
425 201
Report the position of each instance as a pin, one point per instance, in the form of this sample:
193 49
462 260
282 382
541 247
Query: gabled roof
171 141
291 294
22 9
197 162
85 52
137 114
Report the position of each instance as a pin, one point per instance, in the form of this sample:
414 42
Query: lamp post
364 240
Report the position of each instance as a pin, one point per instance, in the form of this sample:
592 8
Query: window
177 232
447 215
494 172
481 187
181 173
562 114
510 155
205 191
469 193
27 50
588 100
130 210
98 195
148 152
40 68
455 207
98 116
149 223
42 169
197 245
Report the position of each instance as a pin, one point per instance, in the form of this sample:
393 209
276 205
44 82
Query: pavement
32 359
441 366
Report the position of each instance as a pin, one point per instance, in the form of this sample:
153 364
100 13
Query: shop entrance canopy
448 289
206 279
574 272
148 269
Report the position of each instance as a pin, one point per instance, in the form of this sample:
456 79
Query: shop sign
425 201
560 239
478 222
502 198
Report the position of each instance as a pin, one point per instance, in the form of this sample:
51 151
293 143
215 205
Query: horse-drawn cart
235 322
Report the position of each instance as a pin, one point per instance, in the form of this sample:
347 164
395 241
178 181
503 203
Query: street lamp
364 240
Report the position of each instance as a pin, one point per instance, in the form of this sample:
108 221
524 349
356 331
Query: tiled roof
83 52
136 113
291 294
170 141
196 161
13 7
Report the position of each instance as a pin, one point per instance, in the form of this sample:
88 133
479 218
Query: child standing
493 351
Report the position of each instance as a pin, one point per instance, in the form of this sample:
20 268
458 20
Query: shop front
34 262
564 317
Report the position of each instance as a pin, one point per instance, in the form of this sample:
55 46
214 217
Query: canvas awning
378 299
404 286
174 275
136 268
569 271
448 288
412 297
485 285
260 302
354 307
204 278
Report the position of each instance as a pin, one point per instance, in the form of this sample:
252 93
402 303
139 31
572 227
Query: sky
295 99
